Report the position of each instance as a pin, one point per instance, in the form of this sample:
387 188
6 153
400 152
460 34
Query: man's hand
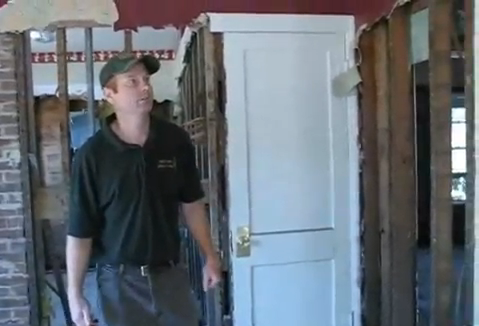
80 311
211 272
77 256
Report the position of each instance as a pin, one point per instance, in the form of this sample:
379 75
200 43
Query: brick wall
14 305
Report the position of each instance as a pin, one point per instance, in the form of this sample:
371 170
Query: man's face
133 93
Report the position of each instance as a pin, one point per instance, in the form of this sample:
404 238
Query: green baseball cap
123 62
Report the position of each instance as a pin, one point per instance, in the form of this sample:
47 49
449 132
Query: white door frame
338 24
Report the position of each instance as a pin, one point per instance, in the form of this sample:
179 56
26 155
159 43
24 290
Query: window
458 147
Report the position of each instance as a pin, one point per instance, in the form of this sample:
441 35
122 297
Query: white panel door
292 171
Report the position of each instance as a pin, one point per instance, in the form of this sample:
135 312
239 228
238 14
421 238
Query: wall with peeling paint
154 13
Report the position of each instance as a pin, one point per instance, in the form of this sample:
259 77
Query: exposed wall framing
44 124
389 171
202 117
403 208
370 183
62 71
383 124
389 176
440 85
128 39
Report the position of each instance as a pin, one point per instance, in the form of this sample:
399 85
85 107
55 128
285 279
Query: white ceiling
105 38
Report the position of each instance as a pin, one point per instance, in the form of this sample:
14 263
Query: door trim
326 24
287 23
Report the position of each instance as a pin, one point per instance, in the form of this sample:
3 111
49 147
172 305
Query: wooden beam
75 24
90 79
382 82
440 32
468 284
128 39
403 197
370 182
63 94
208 72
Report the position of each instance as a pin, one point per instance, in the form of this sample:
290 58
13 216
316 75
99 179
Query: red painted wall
152 13
134 13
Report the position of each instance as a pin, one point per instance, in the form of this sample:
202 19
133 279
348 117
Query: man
128 182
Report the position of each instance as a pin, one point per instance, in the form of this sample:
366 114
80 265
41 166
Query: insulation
22 15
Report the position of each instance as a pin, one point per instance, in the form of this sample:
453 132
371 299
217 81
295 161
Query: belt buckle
144 270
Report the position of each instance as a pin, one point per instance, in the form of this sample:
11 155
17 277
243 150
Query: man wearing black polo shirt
128 183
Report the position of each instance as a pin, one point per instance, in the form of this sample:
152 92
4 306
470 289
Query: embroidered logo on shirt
166 164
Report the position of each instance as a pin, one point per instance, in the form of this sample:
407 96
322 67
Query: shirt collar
113 138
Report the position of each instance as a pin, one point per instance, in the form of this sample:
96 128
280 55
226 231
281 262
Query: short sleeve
191 189
84 210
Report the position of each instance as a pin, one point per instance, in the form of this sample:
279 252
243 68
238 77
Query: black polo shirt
126 197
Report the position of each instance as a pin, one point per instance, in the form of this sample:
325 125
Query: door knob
243 242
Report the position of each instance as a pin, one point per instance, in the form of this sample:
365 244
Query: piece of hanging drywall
344 83
183 45
21 15
420 36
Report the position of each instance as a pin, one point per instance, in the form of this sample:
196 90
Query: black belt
143 270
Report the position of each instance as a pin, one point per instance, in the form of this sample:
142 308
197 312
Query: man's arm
198 224
191 194
197 221
82 223
77 258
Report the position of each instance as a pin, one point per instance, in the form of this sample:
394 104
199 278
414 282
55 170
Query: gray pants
128 297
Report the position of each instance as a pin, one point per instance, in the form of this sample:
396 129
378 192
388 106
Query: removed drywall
21 15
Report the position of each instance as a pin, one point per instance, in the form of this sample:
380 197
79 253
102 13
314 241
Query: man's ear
107 94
